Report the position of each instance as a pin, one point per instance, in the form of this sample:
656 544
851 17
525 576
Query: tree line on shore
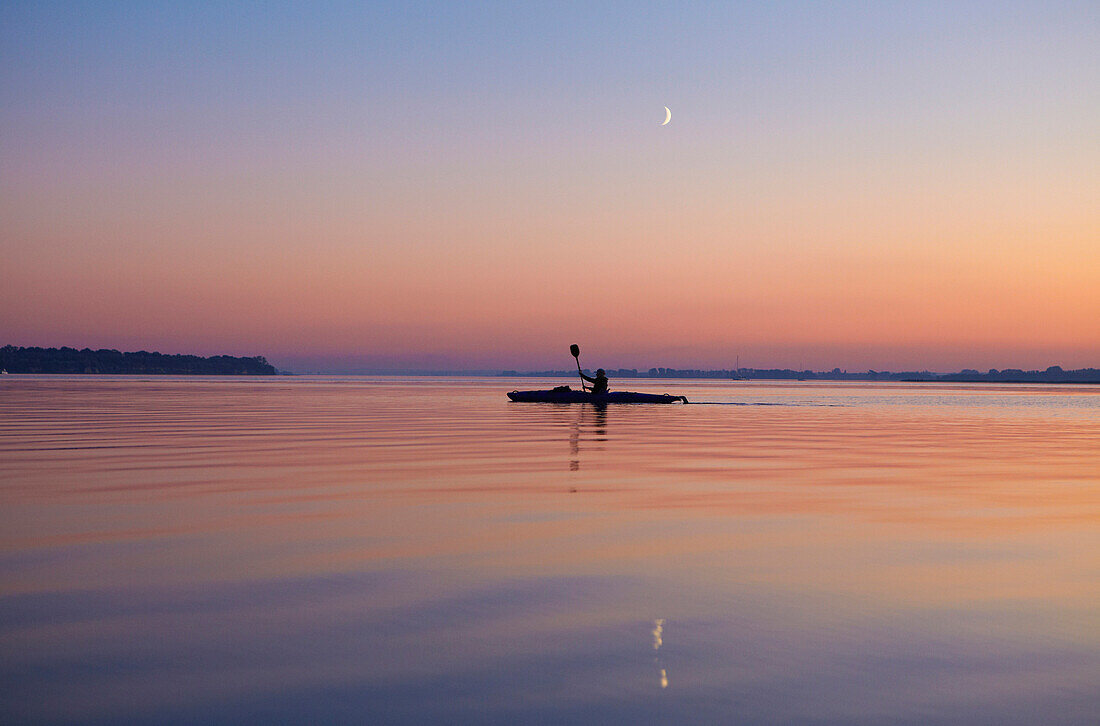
70 360
66 360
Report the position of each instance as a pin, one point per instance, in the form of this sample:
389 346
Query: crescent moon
668 116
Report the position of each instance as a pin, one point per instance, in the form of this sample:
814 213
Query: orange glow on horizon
866 209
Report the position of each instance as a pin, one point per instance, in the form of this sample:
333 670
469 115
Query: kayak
564 394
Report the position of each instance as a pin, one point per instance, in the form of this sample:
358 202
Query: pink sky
932 202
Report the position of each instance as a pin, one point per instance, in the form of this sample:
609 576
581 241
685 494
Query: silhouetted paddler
599 383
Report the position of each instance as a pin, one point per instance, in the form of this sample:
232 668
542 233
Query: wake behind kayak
564 394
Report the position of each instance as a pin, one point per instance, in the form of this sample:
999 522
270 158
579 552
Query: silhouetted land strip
71 360
1053 374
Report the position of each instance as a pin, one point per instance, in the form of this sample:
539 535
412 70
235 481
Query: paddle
576 351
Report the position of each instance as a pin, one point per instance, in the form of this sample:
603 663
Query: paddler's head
600 373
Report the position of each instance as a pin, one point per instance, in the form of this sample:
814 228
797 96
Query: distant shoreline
979 380
1053 374
1084 375
70 361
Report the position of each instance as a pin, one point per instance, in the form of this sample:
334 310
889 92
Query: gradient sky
336 186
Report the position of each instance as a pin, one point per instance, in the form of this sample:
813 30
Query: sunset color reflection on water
401 550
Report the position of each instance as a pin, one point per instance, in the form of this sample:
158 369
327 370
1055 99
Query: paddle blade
575 350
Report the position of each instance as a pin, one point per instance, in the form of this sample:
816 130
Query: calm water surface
407 550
